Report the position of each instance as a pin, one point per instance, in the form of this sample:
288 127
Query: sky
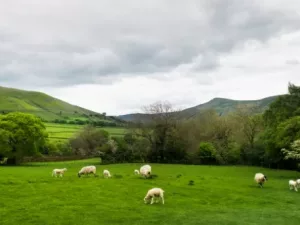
117 56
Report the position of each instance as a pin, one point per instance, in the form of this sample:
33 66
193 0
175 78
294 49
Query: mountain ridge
222 106
50 108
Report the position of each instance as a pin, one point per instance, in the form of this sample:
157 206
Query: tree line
242 137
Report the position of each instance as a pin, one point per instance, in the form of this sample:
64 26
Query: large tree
247 123
160 130
21 134
282 126
284 107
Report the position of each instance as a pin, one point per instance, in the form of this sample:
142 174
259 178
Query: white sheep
260 179
136 172
87 170
59 172
154 193
293 185
145 171
106 173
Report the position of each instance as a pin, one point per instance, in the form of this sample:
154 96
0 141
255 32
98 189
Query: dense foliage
21 135
244 136
241 137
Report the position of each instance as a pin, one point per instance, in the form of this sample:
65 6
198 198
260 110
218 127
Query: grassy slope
221 195
65 131
224 106
40 104
221 105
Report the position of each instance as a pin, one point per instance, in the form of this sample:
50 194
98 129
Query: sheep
87 170
60 172
136 172
260 179
293 185
145 171
154 193
106 173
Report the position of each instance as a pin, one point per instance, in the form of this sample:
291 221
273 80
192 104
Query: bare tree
162 112
163 119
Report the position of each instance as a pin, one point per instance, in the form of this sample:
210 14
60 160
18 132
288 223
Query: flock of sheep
154 194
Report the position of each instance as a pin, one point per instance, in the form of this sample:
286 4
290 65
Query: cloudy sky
116 56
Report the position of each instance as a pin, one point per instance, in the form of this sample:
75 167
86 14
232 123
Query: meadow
220 195
61 132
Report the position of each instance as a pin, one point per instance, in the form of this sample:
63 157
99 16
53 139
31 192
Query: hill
222 106
48 108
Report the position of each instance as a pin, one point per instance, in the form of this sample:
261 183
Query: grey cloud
99 42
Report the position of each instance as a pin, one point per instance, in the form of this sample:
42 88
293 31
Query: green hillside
48 108
222 106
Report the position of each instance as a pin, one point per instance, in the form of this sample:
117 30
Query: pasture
220 195
61 132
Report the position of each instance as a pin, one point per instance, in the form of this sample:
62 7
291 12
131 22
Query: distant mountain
46 107
222 106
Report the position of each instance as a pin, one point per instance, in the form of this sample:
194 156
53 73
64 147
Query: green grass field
220 195
61 132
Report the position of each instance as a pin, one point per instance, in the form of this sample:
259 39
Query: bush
207 153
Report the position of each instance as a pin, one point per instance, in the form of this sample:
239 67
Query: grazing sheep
87 170
106 173
293 185
145 171
154 193
136 172
260 179
59 172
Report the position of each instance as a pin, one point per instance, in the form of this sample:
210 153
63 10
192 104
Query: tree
284 107
281 126
197 129
22 135
222 138
158 129
89 141
247 123
287 132
207 153
293 152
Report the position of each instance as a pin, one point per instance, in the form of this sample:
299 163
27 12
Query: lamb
293 185
87 170
136 172
106 173
260 179
145 170
59 172
154 193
